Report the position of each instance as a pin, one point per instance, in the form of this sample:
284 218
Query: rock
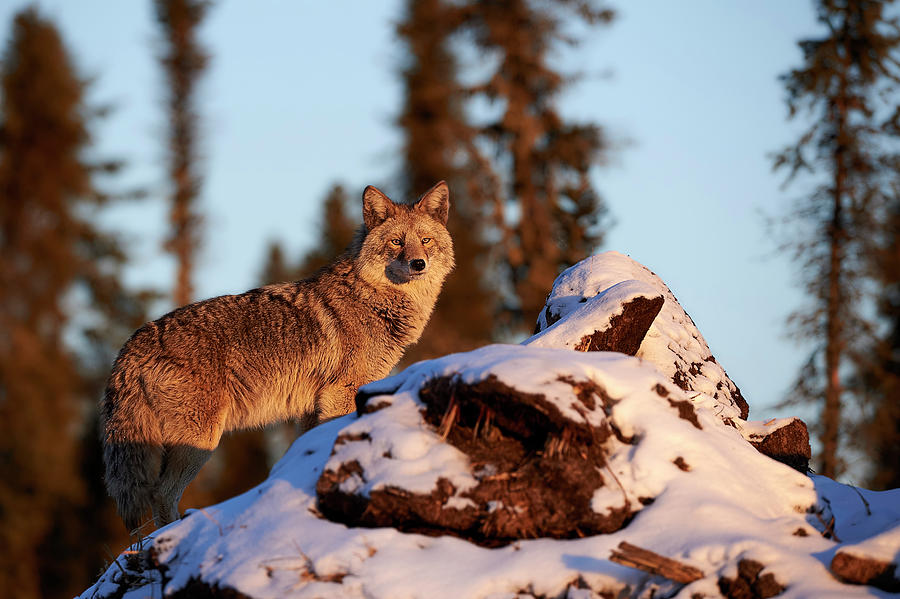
749 584
626 331
857 569
784 439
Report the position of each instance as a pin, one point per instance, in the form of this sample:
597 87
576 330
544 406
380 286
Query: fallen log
633 556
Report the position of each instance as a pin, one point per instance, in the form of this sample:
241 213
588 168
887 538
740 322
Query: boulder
783 439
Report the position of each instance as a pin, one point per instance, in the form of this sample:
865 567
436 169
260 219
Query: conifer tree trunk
831 414
184 62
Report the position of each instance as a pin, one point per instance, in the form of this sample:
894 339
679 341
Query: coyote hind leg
180 467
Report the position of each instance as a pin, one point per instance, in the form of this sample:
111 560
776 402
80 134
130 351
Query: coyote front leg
335 401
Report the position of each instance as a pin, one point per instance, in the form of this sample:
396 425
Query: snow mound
588 296
511 442
538 471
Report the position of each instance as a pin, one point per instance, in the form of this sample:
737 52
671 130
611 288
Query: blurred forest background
481 107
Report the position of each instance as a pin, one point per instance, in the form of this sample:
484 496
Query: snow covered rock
593 297
782 439
542 443
750 582
874 561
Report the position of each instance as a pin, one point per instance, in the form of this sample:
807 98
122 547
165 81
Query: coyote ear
377 207
436 203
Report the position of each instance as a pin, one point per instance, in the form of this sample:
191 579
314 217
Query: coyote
286 351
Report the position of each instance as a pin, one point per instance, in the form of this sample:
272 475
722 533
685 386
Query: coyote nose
417 265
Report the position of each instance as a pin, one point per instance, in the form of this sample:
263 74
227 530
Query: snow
588 294
732 504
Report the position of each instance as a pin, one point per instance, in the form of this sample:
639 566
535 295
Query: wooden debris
633 556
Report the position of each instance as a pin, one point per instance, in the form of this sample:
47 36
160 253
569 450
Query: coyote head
405 244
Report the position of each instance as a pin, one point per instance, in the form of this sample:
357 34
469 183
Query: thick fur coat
287 351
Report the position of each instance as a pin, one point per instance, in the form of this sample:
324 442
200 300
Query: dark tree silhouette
183 61
881 372
547 214
276 268
53 263
843 74
437 145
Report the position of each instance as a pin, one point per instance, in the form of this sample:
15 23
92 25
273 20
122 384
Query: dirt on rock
627 330
788 445
537 470
750 583
857 569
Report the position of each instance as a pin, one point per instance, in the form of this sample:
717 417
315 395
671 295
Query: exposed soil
679 461
198 589
749 584
537 470
686 411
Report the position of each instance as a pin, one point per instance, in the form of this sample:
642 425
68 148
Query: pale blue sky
301 94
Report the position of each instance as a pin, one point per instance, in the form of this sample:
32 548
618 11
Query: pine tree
840 83
275 268
437 143
184 62
548 215
51 258
881 375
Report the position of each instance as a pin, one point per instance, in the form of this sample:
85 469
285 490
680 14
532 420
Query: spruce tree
183 60
548 215
275 268
881 372
841 83
437 144
53 259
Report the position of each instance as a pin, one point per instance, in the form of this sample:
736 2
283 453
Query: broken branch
643 559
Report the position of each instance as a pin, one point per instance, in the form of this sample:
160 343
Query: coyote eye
397 241
426 240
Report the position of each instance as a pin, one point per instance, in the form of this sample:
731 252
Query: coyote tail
132 447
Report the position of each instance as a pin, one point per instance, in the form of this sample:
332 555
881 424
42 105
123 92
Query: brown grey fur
287 351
